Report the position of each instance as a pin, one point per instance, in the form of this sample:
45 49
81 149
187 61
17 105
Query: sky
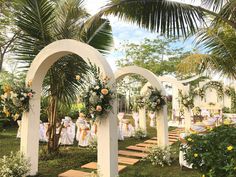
125 32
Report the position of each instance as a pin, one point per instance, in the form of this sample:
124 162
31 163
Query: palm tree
45 21
180 19
220 56
170 17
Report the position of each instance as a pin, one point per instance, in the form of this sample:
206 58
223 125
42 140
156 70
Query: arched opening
107 134
162 124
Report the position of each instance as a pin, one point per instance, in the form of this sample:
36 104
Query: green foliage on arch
218 86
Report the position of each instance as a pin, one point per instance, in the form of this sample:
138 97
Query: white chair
68 132
153 119
136 120
83 135
127 129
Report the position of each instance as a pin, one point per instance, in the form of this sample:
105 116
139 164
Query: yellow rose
230 148
203 175
195 155
189 139
98 108
104 91
78 77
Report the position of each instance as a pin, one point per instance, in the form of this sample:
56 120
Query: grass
72 157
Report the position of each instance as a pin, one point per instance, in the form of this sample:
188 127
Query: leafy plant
14 165
213 154
186 100
139 134
159 156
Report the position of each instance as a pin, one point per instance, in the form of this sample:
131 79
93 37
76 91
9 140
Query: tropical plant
218 43
209 159
181 19
170 17
45 21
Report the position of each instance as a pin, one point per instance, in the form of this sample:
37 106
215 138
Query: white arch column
162 126
107 129
142 119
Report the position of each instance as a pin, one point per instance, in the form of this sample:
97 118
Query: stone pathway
126 157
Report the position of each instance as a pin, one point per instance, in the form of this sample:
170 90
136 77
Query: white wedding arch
107 134
162 124
176 86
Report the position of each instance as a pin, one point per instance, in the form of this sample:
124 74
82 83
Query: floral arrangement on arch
98 97
153 100
15 100
186 100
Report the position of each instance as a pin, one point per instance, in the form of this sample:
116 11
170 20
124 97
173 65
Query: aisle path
130 156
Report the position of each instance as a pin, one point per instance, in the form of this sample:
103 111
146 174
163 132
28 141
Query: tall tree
8 31
160 55
45 21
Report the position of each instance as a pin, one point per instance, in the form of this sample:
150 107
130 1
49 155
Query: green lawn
73 157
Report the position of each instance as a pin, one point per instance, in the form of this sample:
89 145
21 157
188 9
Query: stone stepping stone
136 148
93 166
132 153
144 145
151 141
127 160
74 173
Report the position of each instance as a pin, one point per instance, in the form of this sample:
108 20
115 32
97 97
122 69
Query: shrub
92 147
139 134
14 165
213 154
159 156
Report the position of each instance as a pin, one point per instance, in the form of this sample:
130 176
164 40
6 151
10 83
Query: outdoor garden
168 109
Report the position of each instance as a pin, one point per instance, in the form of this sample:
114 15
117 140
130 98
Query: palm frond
69 15
35 19
194 64
165 17
215 5
98 34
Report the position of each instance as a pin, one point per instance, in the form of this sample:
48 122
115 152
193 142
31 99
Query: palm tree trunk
53 136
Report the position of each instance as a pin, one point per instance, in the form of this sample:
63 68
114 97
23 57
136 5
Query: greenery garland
15 100
216 85
230 91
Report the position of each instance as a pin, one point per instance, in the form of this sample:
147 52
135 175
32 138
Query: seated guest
83 131
127 128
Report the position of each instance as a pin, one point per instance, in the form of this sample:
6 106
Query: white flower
97 87
94 93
